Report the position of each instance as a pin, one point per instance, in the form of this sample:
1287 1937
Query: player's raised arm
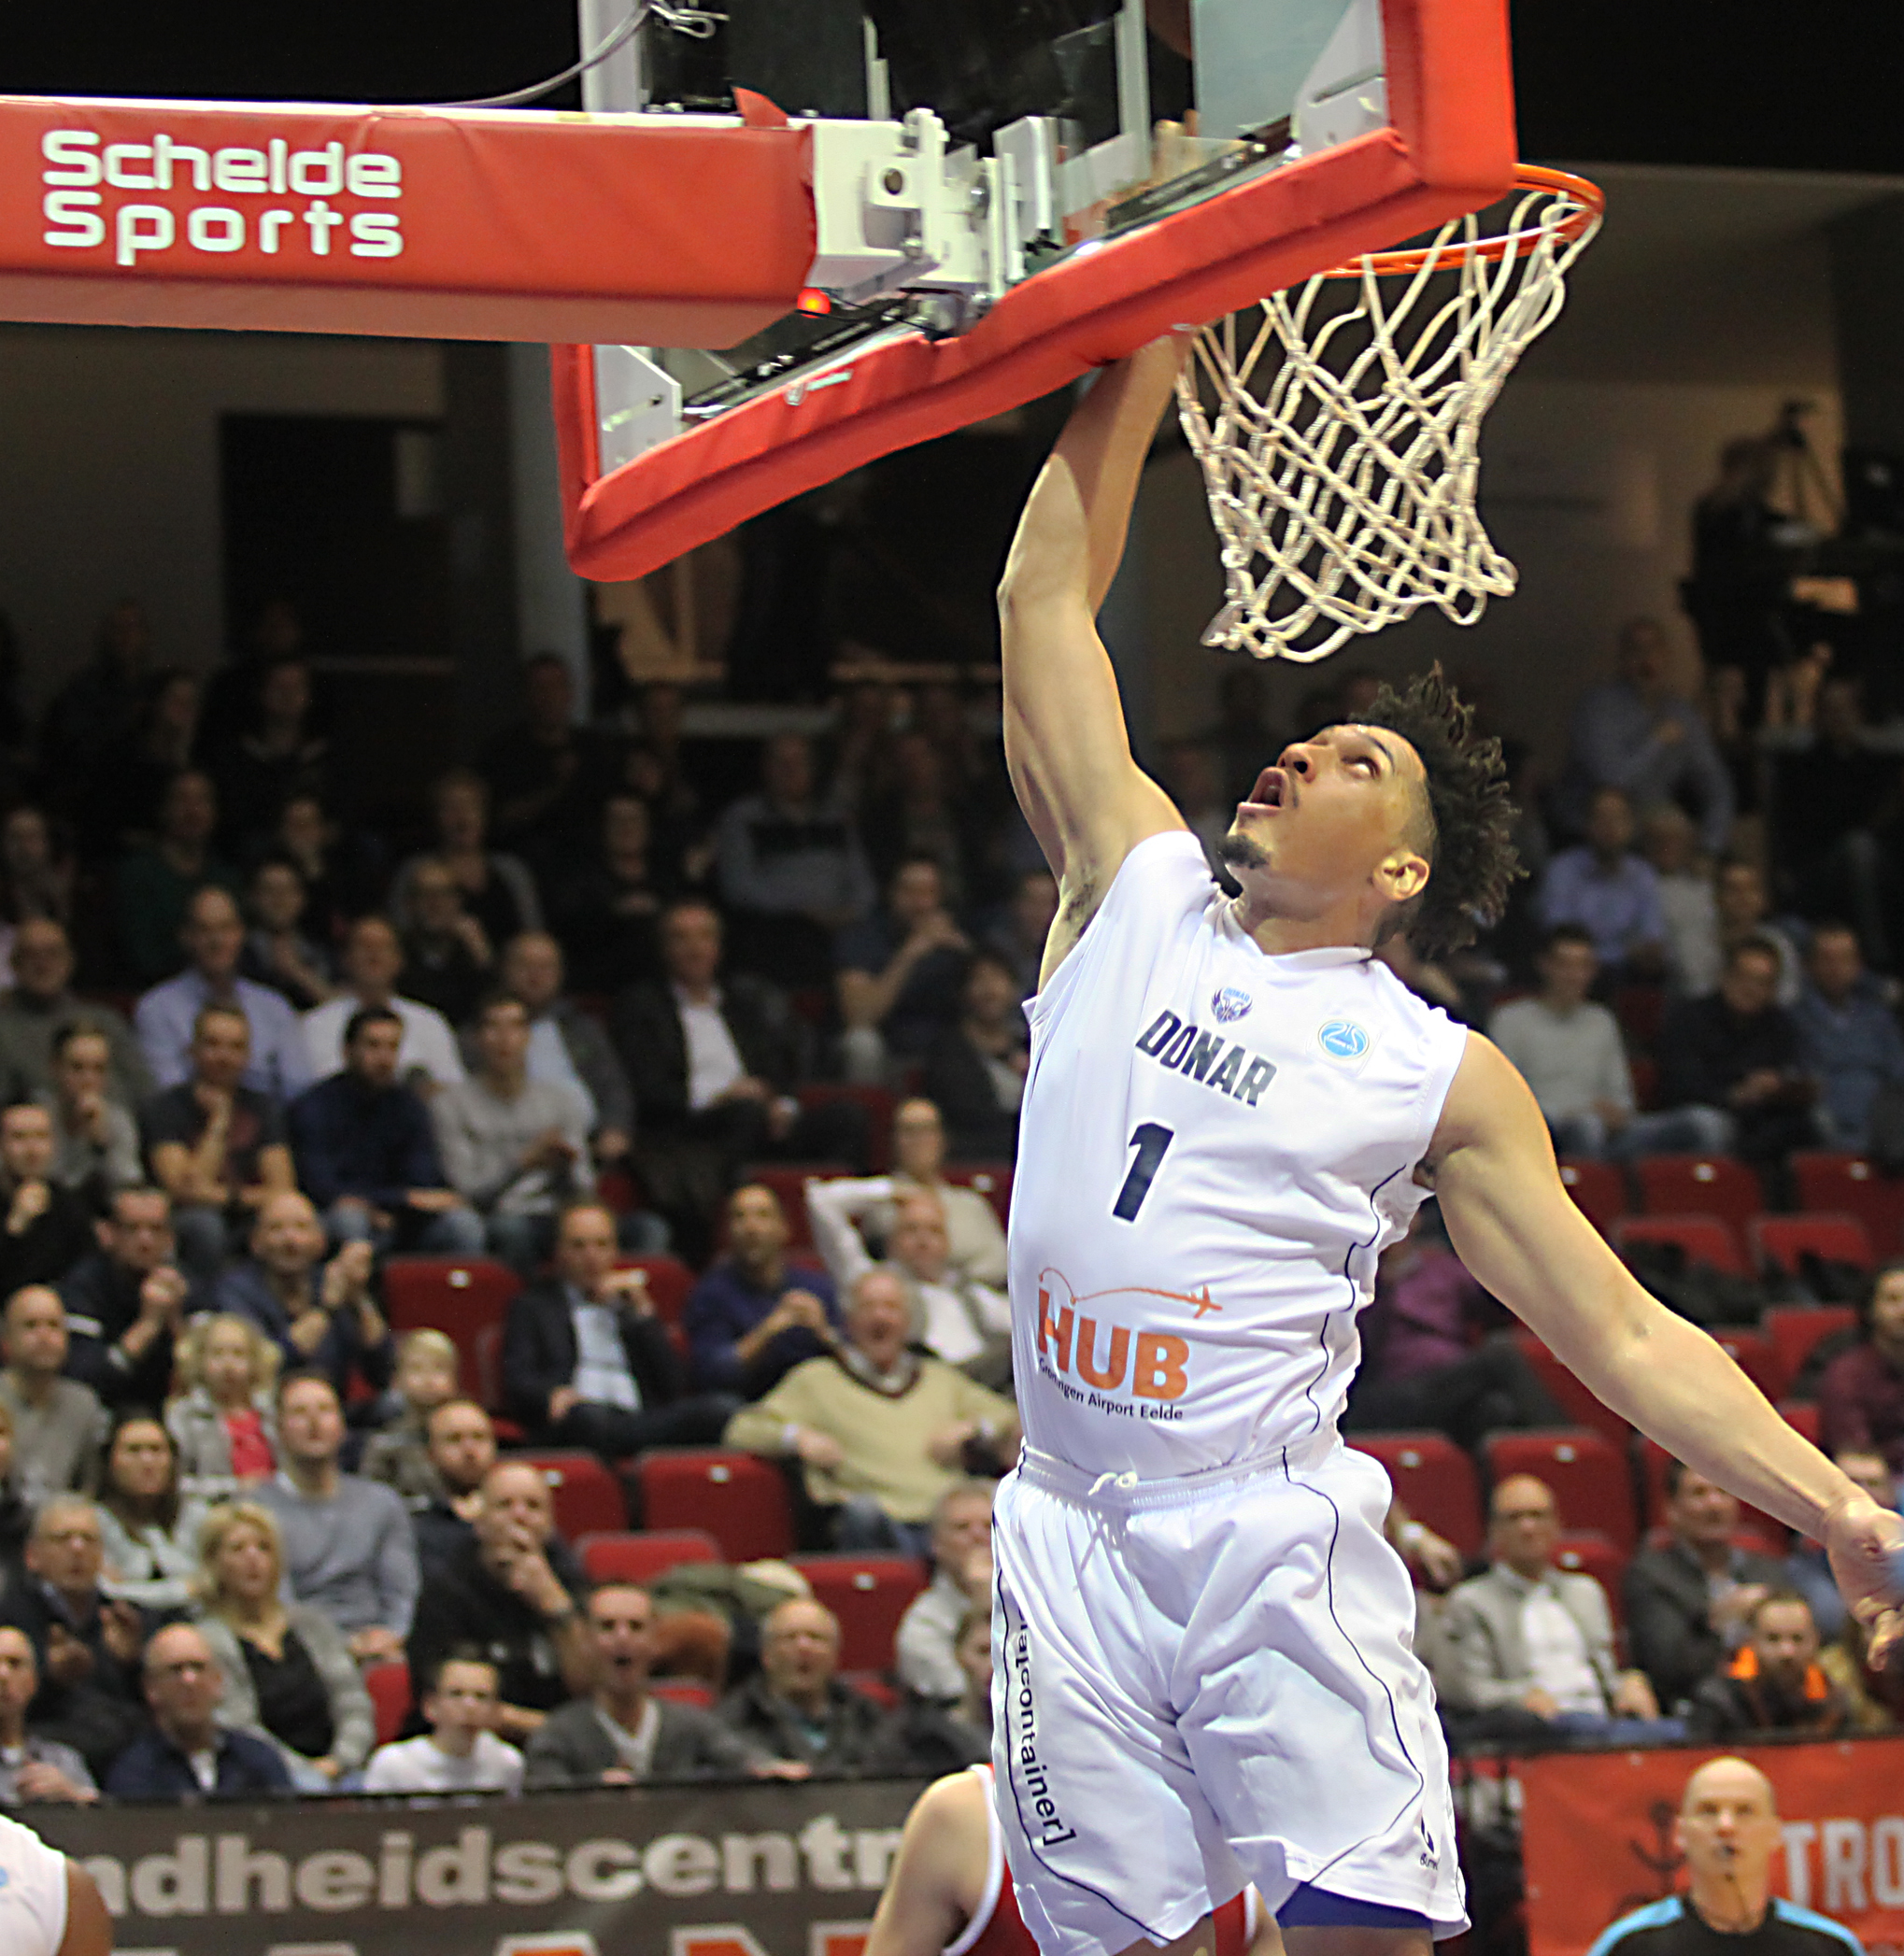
1514 1225
1087 800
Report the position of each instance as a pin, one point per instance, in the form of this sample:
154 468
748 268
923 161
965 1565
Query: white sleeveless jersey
32 1892
1215 1147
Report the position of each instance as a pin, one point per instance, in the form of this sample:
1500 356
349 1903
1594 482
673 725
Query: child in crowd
223 1421
460 1752
398 1452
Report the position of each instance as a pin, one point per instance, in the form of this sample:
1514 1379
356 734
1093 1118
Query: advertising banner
503 224
1597 1835
770 1870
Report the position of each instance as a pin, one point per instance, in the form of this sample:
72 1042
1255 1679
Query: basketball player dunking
1202 1667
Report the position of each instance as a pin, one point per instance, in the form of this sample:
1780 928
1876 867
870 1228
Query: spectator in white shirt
372 963
1530 1637
965 1322
460 1752
1692 957
926 1643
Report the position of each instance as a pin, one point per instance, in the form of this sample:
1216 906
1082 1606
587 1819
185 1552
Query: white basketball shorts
1205 1681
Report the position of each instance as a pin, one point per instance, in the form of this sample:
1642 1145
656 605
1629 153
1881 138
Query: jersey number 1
1150 1141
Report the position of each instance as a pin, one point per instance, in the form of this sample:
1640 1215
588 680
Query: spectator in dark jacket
188 1755
1861 1395
1773 1682
86 1644
1690 1603
366 1151
323 1316
1730 1062
755 1316
45 1228
796 1707
586 1362
509 1593
618 1735
460 1438
714 1061
125 1302
975 1071
930 1737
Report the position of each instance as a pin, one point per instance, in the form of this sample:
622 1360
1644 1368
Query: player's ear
1403 875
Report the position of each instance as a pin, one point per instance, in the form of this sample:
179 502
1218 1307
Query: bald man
1532 1638
1728 1829
513 1591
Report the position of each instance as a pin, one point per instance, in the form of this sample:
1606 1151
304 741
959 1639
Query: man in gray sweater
349 1549
57 1422
621 1733
513 1148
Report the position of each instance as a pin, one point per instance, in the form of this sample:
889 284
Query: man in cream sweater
881 1430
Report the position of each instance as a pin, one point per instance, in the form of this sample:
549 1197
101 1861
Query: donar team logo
1230 1005
1343 1039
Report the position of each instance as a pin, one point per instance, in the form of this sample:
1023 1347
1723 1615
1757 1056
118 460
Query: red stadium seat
464 1296
1705 1239
1778 1241
992 1179
1757 1356
1598 1189
489 1388
1645 1073
587 1498
1652 1459
1587 1473
1577 1405
629 1555
868 1593
1434 1480
683 1690
389 1685
1589 1553
738 1498
874 1685
1700 1185
1795 1328
1850 1185
789 1180
879 1104
669 1281
1802 1417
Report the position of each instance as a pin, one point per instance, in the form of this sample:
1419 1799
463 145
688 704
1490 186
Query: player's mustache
1242 852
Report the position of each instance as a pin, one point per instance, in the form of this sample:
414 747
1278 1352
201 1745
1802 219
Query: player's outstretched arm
938 1872
1514 1225
1087 800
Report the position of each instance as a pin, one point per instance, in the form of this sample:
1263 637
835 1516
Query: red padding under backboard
1451 149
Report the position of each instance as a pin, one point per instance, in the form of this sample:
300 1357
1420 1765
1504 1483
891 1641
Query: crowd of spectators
611 997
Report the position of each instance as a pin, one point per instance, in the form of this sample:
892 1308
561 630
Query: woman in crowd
223 1421
498 891
289 1672
148 1530
37 870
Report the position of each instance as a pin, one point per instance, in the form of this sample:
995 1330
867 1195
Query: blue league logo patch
1343 1039
1230 1004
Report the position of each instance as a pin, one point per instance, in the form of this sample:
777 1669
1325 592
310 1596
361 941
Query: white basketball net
1342 453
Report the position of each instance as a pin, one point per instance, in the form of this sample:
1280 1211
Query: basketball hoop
1342 453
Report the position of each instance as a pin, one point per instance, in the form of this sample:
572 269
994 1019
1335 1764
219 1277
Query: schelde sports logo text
277 200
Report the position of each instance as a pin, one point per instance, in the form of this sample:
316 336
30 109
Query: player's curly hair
1470 819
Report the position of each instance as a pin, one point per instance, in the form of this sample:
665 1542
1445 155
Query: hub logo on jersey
1207 1056
1343 1039
1111 1367
1230 1004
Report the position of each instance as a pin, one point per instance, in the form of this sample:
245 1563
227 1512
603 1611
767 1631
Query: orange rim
1589 202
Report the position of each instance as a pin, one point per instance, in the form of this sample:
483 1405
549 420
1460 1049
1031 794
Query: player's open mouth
1270 792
